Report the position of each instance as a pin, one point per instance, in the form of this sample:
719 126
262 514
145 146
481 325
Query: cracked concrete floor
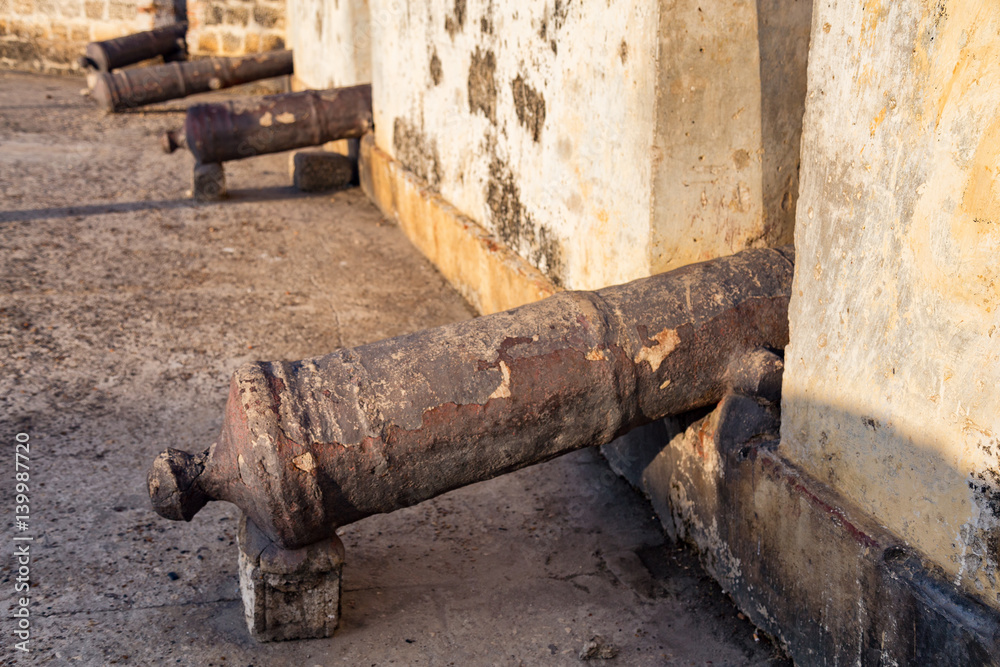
124 307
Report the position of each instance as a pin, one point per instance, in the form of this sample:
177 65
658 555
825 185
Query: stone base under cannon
311 171
289 593
209 182
321 170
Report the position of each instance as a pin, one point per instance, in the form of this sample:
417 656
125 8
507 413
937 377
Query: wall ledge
806 565
477 264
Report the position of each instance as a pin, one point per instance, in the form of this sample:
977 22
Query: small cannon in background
167 41
308 446
220 132
131 88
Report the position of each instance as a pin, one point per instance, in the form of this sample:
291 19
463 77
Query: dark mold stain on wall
486 22
530 107
551 22
985 484
454 22
416 153
482 84
515 227
983 538
437 73
560 12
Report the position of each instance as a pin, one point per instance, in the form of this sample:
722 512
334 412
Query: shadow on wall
784 47
922 480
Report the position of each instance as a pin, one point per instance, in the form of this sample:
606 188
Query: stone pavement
124 307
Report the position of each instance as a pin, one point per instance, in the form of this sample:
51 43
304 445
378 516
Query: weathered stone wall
730 98
235 27
331 41
891 391
49 35
593 139
534 119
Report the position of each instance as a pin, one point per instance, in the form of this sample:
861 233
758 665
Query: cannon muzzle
307 446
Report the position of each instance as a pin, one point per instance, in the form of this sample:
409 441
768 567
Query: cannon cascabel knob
173 485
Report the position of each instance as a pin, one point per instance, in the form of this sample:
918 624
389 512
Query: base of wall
807 567
479 266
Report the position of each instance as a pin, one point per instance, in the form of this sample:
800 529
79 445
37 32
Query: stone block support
209 182
317 171
289 593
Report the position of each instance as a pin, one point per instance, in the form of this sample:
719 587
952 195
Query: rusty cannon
127 89
167 41
308 446
221 132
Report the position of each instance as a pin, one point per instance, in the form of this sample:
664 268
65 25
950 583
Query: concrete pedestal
289 594
209 182
317 171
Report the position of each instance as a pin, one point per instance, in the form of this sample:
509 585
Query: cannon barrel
240 129
307 446
167 41
126 89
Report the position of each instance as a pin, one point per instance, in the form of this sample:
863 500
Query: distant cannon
168 41
127 89
217 133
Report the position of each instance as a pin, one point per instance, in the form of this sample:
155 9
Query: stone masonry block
315 171
266 17
208 42
238 16
100 31
232 43
27 31
122 11
47 8
94 9
213 15
71 9
271 42
289 594
209 182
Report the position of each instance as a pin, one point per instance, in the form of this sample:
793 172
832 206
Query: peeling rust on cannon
241 129
311 445
111 54
127 89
